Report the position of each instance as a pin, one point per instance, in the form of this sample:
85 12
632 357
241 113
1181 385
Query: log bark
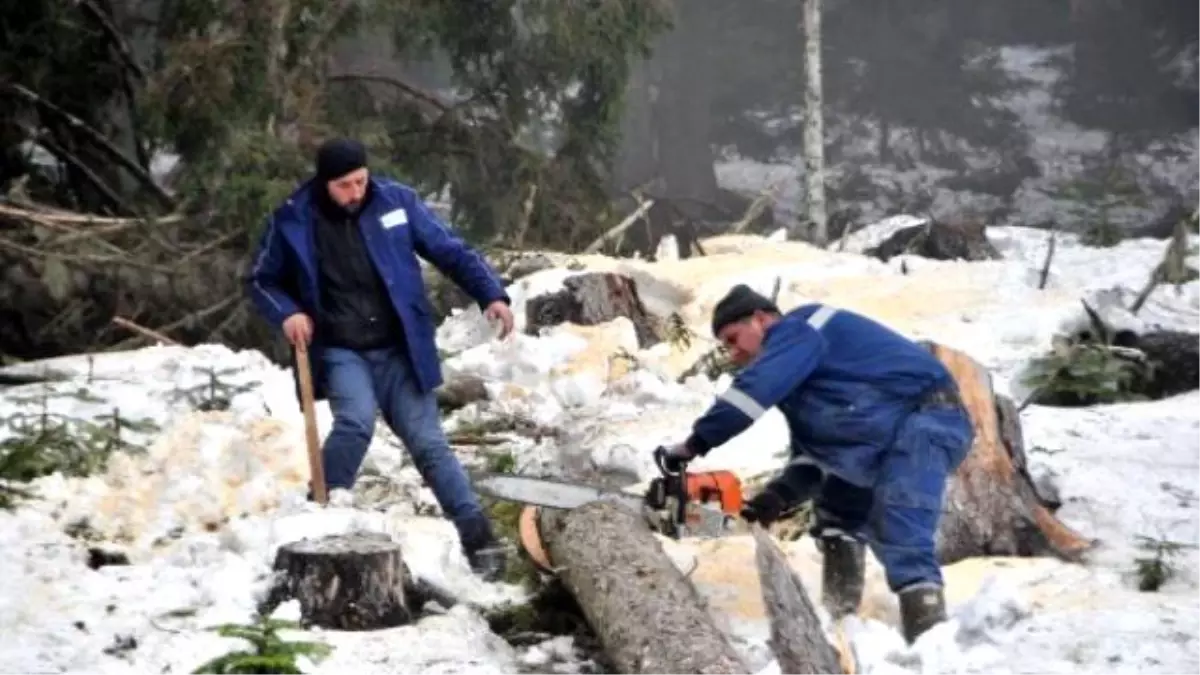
797 640
647 615
938 241
345 582
992 506
590 299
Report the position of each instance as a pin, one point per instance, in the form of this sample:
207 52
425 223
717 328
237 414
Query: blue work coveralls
396 227
857 399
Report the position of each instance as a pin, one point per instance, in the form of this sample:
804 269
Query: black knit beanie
338 157
739 303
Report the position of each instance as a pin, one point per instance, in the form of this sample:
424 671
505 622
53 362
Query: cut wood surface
797 639
593 298
345 582
992 506
647 615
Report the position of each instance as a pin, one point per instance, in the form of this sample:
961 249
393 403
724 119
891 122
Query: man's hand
671 458
765 508
298 328
499 310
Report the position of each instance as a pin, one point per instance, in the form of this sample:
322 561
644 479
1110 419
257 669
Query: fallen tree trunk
57 300
590 299
797 641
938 241
647 615
992 506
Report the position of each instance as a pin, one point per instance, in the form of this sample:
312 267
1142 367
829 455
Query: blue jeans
358 384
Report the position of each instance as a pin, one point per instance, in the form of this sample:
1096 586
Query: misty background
143 143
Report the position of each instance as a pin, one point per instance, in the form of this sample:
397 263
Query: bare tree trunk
648 616
814 128
796 637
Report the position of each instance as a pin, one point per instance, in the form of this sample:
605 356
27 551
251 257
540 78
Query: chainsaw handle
660 460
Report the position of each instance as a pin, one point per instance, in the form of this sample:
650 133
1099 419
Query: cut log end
646 614
344 582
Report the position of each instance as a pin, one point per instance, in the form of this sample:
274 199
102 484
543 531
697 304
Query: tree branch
118 40
99 138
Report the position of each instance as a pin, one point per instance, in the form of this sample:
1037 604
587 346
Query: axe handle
316 469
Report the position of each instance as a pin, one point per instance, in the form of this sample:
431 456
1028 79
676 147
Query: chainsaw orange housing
716 486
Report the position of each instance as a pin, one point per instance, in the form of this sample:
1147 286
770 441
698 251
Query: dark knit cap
338 157
739 303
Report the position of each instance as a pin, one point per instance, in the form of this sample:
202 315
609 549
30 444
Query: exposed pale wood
992 506
313 442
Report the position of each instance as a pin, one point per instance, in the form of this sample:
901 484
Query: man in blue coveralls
877 428
337 271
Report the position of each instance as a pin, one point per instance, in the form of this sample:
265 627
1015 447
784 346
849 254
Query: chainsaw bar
548 493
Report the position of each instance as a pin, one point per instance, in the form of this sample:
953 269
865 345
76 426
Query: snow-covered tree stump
593 298
647 615
938 241
797 640
992 506
353 581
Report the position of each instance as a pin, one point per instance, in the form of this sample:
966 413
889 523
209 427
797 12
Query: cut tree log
992 506
355 581
647 615
796 640
938 241
593 298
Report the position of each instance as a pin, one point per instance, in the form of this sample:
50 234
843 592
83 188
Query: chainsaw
676 504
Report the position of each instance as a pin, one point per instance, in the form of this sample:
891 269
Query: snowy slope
201 512
1167 173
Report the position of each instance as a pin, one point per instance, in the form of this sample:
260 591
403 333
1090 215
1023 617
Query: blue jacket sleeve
790 354
264 283
450 254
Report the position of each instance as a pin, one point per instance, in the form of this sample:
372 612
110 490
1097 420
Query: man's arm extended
450 254
264 283
787 359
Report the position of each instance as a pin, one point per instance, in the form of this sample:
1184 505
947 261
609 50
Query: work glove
764 508
671 459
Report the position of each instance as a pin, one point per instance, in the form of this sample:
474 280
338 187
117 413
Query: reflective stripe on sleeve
743 402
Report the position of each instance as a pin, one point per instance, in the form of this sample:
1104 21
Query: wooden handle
316 469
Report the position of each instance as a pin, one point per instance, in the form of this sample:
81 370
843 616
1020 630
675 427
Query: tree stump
992 506
647 615
938 241
797 640
345 582
590 299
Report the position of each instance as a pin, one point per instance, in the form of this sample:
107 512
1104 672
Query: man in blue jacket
337 270
877 428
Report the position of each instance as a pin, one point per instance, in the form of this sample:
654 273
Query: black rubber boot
487 555
842 573
921 607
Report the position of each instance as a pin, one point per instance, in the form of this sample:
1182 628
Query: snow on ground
201 511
